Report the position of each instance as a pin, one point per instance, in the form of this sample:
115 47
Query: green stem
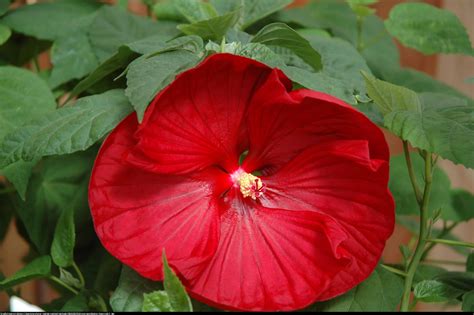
450 242
79 274
444 262
223 45
394 270
36 64
149 11
420 247
411 173
446 230
64 285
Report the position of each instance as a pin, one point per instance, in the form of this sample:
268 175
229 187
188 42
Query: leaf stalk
420 247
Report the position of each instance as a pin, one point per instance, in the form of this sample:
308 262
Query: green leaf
23 96
173 299
342 62
463 281
157 301
226 48
122 4
68 278
58 184
379 49
382 291
281 35
427 272
72 57
4 4
148 76
192 44
101 271
389 97
178 298
127 53
66 130
311 33
470 262
51 20
361 2
321 81
336 16
38 268
462 205
360 7
119 60
195 10
113 27
435 291
19 174
252 10
405 201
128 297
433 122
260 53
428 29
5 33
166 10
468 302
62 249
214 28
417 81
77 304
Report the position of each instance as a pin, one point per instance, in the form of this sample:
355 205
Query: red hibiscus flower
303 218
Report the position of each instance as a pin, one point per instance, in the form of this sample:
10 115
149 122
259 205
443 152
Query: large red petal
282 123
341 179
137 213
197 120
271 259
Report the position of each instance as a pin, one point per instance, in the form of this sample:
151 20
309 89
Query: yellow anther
250 185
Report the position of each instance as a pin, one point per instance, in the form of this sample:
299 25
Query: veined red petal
271 259
197 120
341 179
282 123
137 213
311 228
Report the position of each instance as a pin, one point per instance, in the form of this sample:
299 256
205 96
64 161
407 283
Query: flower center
250 185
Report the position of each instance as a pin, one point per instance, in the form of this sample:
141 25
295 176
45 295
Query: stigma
250 185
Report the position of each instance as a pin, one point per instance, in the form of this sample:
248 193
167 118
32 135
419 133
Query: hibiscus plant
232 155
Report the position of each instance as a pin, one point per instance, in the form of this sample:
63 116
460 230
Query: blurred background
450 69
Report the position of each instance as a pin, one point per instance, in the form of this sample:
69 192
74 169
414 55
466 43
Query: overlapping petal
341 179
271 259
138 213
197 120
282 123
318 229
